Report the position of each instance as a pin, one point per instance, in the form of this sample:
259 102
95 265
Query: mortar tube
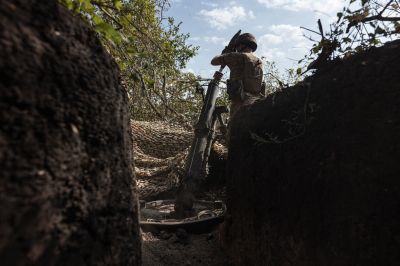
194 165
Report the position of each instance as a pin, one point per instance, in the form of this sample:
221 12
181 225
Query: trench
312 176
188 242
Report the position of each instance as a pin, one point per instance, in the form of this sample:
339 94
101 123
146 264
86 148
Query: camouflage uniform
247 68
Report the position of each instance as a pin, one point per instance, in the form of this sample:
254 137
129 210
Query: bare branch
304 28
383 10
101 7
309 38
321 31
144 91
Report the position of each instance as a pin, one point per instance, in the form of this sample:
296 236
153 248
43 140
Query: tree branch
380 18
316 32
108 15
144 91
387 5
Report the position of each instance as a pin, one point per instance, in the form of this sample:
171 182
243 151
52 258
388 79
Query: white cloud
215 40
251 14
282 43
209 4
326 6
287 32
222 18
273 54
270 39
204 48
208 39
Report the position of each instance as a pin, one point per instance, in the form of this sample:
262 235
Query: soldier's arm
217 60
224 59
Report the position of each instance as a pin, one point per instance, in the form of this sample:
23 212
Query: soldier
246 74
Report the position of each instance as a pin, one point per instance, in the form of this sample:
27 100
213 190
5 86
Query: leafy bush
150 50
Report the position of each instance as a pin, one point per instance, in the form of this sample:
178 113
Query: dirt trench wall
313 170
66 188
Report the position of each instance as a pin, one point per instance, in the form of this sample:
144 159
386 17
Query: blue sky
275 23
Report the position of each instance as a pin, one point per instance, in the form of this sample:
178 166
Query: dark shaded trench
66 189
312 174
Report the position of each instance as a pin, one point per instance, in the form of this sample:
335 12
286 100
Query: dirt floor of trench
182 248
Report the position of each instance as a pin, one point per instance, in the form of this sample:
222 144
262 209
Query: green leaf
87 6
131 50
346 40
374 41
109 32
299 71
97 20
68 3
316 49
379 30
118 4
151 83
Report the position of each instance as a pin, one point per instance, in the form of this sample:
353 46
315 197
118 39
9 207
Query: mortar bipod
217 115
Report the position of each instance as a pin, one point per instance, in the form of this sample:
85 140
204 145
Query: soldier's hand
218 75
226 50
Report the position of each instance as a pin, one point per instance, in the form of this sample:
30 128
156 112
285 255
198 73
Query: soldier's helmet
247 39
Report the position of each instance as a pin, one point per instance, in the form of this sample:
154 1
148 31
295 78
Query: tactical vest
246 76
252 74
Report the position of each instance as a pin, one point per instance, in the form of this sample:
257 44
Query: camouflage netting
159 150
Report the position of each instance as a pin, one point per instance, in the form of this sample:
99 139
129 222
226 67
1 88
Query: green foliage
276 80
362 24
150 50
